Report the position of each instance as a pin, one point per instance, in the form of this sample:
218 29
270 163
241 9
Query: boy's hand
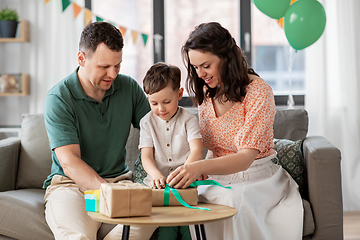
158 183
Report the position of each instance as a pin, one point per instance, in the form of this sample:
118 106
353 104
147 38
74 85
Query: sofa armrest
132 150
9 158
322 161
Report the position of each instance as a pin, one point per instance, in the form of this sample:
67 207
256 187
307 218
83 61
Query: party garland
89 16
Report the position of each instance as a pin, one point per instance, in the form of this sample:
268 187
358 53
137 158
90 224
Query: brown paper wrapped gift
125 199
189 195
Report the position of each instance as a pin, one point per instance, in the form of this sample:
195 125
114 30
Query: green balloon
273 8
304 23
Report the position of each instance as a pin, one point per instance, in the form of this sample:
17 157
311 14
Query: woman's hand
158 182
202 177
184 175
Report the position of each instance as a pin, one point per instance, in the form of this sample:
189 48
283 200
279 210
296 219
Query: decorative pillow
290 157
35 154
139 173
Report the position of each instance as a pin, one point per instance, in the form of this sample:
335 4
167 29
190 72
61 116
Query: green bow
179 198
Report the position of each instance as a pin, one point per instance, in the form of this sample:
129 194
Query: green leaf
8 14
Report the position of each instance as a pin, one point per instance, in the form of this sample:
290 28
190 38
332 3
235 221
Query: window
271 56
136 17
182 16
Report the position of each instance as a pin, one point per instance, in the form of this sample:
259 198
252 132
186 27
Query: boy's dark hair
159 76
100 32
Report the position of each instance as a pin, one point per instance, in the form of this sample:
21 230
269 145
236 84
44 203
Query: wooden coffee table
172 216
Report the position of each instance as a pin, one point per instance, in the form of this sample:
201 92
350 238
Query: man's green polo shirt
101 129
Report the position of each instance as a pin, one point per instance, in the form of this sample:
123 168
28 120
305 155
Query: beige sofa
25 162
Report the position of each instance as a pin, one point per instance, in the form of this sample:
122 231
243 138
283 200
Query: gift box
125 199
189 195
92 200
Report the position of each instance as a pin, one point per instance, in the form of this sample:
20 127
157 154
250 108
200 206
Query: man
88 117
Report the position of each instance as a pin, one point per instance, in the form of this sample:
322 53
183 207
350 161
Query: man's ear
81 58
181 92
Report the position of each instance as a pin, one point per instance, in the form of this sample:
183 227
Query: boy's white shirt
170 139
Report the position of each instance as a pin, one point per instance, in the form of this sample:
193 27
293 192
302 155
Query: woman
236 114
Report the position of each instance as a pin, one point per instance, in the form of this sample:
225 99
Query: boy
169 134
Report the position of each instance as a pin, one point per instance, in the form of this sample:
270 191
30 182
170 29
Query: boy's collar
173 118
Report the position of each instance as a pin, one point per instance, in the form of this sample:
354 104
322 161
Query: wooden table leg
126 232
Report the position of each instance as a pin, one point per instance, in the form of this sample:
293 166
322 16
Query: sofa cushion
309 224
132 147
290 157
2 237
35 155
9 157
139 174
291 124
22 214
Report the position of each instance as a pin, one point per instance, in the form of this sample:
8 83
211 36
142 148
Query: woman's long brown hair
234 69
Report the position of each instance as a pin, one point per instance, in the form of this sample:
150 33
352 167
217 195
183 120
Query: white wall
47 58
12 107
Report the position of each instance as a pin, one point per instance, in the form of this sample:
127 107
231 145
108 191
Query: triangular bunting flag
99 19
134 35
122 30
88 16
77 10
88 19
65 4
145 38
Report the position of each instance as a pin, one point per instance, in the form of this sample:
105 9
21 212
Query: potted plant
8 22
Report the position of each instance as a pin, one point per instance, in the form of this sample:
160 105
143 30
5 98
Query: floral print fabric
248 124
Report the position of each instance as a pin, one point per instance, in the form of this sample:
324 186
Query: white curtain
54 45
333 84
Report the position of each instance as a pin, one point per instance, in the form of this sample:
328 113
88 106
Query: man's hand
76 169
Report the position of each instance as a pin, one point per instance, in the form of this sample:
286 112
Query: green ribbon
178 197
207 182
166 195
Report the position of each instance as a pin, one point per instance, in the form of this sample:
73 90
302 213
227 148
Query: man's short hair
100 32
159 76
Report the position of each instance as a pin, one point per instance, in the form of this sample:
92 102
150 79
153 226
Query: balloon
272 8
304 23
281 20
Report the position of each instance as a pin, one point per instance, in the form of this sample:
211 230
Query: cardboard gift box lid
189 195
125 199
